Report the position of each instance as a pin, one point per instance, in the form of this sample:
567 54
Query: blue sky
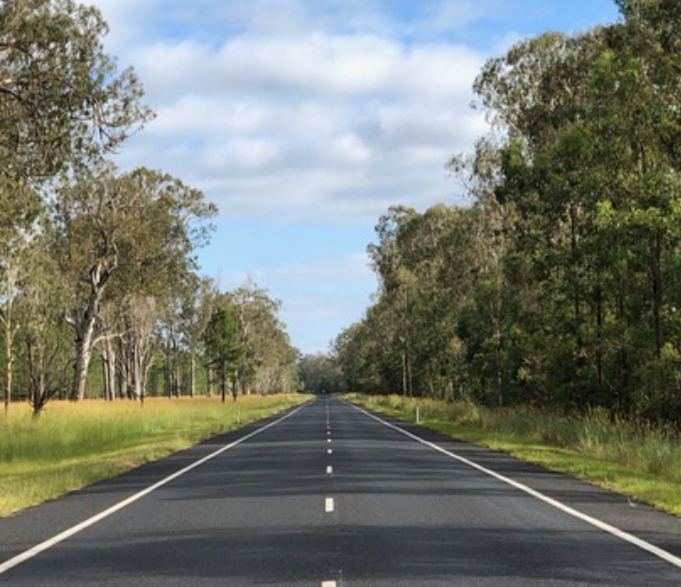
304 120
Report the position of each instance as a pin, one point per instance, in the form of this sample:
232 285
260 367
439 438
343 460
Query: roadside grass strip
74 445
636 460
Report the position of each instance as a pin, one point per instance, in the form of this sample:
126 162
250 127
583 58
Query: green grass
638 460
73 445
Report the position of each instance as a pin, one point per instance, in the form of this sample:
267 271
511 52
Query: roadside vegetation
73 445
544 318
558 286
634 459
100 290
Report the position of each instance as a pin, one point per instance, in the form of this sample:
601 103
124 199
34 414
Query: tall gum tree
134 226
63 103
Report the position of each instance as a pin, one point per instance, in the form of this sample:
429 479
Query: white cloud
352 148
309 127
445 15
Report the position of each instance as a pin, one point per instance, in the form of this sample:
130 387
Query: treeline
560 285
97 267
246 348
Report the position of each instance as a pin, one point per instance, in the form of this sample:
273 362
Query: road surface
332 496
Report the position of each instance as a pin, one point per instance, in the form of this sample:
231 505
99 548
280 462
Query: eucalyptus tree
636 106
256 315
187 306
16 244
63 100
264 360
362 355
277 370
63 104
138 226
42 337
136 343
196 314
559 285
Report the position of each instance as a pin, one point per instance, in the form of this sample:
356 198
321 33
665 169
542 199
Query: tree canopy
559 285
97 265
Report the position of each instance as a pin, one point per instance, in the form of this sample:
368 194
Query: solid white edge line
621 534
329 505
47 544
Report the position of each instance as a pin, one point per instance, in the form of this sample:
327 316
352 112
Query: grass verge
637 460
73 445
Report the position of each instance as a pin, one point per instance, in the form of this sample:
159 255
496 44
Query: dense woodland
560 284
99 290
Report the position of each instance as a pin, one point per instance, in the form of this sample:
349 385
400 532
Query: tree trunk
599 333
222 383
11 279
136 373
9 354
84 327
83 357
235 388
624 393
178 379
405 383
109 362
209 382
169 370
657 291
192 376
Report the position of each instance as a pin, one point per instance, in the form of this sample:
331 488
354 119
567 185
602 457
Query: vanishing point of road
328 495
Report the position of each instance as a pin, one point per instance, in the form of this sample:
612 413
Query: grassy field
72 445
640 461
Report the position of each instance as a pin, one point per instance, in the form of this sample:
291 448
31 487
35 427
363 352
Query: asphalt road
330 496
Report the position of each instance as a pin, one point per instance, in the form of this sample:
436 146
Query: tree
196 312
258 324
62 99
140 226
64 105
319 373
41 335
223 347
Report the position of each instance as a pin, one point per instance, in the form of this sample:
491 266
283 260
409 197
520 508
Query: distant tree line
99 291
560 285
320 373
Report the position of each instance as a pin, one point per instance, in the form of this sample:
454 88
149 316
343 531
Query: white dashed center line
328 584
329 505
329 470
330 451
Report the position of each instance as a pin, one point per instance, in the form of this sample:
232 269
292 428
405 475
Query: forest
100 294
559 285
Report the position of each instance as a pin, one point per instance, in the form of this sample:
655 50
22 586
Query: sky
305 120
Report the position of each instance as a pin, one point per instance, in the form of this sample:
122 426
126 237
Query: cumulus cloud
304 123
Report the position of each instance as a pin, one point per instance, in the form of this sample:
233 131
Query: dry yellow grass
72 445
